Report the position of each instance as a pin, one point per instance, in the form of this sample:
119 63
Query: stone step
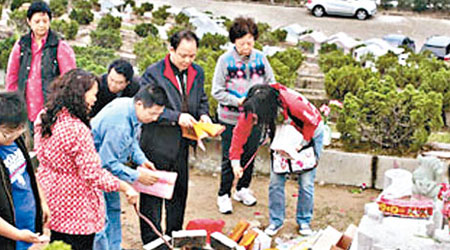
127 56
320 76
312 58
310 83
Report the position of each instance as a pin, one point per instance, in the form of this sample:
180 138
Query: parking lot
414 26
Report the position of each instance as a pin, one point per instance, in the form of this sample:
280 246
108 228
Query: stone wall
335 167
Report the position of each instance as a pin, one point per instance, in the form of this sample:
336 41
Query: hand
205 119
241 101
238 171
45 214
131 195
149 165
147 177
186 120
28 236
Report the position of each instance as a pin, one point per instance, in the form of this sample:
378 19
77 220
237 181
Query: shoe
305 230
245 196
224 203
271 230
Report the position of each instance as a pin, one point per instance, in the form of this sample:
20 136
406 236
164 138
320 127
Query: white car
361 9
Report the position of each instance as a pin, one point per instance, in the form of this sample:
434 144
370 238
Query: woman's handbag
287 139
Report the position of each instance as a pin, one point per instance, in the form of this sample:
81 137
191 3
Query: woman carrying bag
261 108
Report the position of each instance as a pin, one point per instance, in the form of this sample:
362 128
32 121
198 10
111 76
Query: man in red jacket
261 109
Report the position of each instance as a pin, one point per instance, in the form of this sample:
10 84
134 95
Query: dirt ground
334 205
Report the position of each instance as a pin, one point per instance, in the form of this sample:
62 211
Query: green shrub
58 245
306 46
213 41
207 59
263 27
68 30
145 7
285 65
93 58
439 81
177 28
182 19
280 35
82 4
160 15
258 46
326 48
15 4
227 22
145 29
58 7
382 118
148 51
109 38
6 46
132 3
387 63
109 22
335 59
82 16
346 79
18 19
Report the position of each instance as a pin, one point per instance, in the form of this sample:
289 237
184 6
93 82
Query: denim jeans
110 237
305 201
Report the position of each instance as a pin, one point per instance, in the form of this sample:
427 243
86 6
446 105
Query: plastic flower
325 110
336 103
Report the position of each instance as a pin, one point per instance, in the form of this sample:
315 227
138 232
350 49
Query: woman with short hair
236 71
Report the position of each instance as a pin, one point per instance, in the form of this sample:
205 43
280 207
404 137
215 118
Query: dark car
398 40
439 46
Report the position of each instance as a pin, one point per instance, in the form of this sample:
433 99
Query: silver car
361 9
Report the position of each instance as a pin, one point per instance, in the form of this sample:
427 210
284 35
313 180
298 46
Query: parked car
439 46
398 40
361 9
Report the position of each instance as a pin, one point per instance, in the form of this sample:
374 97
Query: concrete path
418 28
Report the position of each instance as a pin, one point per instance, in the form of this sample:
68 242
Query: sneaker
245 196
224 203
305 230
271 230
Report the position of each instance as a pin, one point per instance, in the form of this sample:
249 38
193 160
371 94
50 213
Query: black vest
49 63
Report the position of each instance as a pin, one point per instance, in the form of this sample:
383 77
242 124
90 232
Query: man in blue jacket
162 142
115 130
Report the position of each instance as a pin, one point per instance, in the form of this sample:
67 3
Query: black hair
176 38
68 91
242 26
150 95
13 112
37 7
122 67
263 101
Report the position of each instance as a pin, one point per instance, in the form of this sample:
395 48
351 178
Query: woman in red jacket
70 170
261 108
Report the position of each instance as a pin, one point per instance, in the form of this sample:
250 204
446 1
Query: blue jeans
305 201
110 237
